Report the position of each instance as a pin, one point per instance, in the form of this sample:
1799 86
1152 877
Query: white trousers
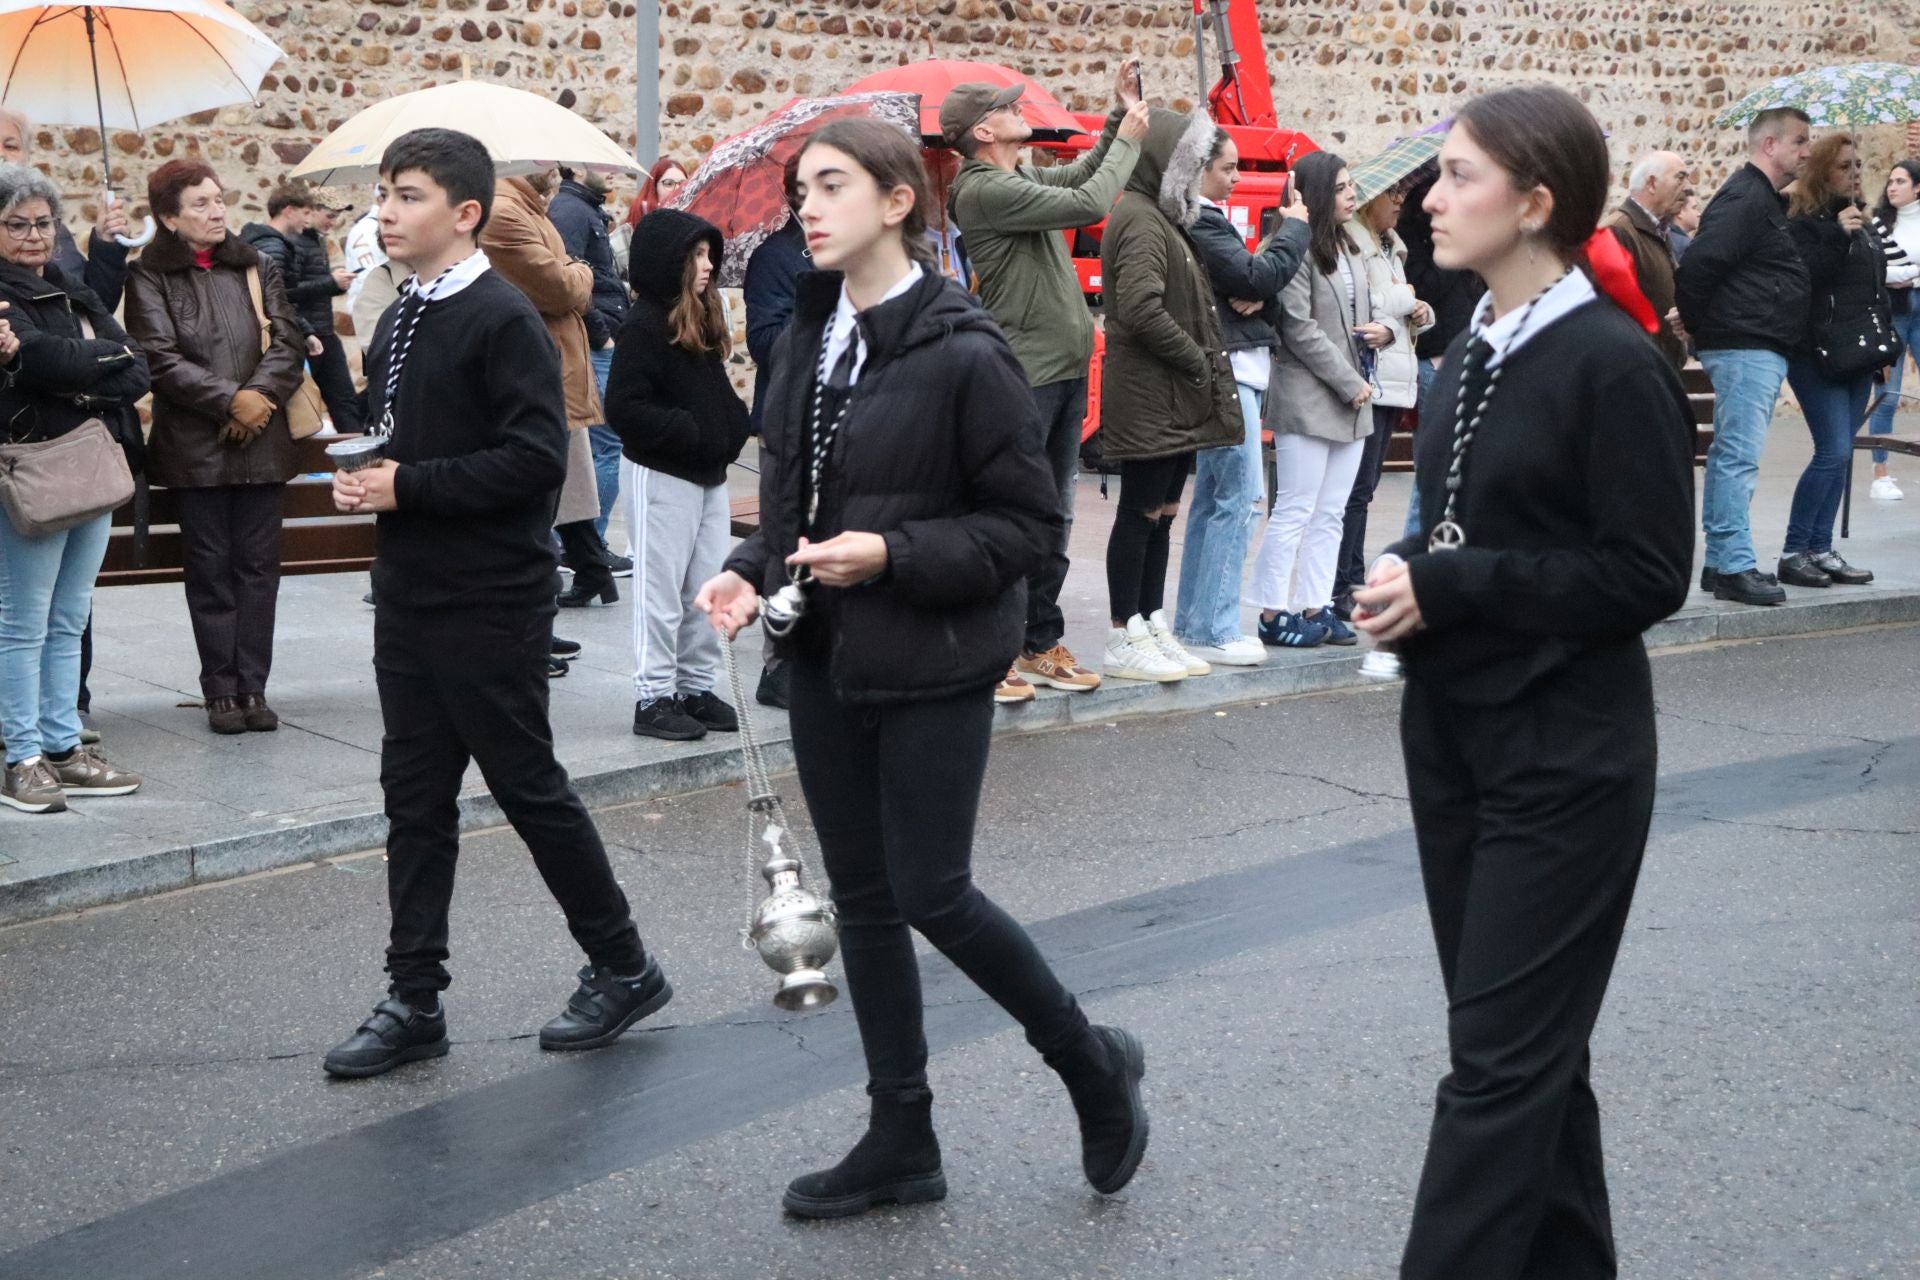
1298 554
680 536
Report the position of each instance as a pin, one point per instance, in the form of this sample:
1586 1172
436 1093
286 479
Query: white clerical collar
451 281
843 328
1506 335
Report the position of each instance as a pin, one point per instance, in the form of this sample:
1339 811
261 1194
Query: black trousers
335 380
894 792
1140 545
1063 412
460 685
231 537
1350 570
1532 820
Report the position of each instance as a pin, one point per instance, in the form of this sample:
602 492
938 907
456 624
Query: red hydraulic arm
1244 93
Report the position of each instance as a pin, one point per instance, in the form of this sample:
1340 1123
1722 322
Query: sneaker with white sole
1241 651
32 787
1057 668
1885 490
1380 665
1164 640
1012 690
88 773
1132 655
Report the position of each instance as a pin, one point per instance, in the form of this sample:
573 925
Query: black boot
896 1161
604 1006
592 567
1102 1072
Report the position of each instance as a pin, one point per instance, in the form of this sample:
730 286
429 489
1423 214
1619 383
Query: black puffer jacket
1848 273
1255 277
60 377
941 454
674 410
304 271
1742 284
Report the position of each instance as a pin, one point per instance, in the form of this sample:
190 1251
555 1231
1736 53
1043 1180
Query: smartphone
1286 190
1139 83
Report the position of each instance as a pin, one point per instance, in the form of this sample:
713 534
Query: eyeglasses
23 229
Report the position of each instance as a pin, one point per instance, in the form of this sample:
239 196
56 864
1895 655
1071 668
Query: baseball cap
966 105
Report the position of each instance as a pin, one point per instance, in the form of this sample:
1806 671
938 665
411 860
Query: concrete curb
1318 671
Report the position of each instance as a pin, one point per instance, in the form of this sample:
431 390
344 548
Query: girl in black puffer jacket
681 425
915 526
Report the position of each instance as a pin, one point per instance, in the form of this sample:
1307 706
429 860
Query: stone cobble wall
1352 73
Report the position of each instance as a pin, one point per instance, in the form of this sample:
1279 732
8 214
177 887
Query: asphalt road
1239 888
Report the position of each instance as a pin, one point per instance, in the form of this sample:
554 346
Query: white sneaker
1885 490
1132 655
1241 651
1163 639
1380 665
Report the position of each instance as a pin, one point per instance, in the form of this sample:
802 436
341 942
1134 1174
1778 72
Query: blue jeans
1908 327
1833 410
46 593
606 448
1219 524
1428 372
1745 386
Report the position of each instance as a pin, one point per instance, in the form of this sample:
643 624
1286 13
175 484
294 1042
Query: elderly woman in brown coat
1167 387
222 374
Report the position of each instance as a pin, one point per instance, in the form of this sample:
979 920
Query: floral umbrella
740 186
1860 94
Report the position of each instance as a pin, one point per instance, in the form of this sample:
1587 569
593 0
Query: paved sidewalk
217 807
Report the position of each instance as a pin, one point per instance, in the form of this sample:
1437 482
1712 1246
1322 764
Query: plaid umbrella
1377 174
1863 93
739 187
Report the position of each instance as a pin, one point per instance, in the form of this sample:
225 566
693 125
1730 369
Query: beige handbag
64 482
306 411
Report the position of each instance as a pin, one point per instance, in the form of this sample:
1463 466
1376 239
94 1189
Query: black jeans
894 791
335 380
1351 569
458 685
1063 412
231 537
1532 821
1138 547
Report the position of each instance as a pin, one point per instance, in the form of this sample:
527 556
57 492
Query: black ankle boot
897 1161
1102 1073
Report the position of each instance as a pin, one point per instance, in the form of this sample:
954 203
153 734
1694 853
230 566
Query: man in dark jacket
312 285
1743 296
1228 481
1655 189
578 210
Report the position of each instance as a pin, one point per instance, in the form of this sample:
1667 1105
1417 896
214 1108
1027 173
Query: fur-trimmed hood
1172 157
169 252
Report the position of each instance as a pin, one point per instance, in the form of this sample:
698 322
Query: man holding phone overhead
1012 215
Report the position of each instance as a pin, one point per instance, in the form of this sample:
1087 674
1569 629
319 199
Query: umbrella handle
147 229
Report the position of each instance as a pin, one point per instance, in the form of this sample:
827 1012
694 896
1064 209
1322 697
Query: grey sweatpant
680 536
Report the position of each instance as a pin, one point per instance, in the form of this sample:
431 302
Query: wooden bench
743 516
314 538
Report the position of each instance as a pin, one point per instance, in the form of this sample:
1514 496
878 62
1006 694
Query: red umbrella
740 186
931 80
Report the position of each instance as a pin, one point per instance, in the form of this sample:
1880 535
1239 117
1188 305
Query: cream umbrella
128 64
522 131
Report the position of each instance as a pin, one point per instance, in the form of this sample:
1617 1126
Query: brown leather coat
524 246
202 340
1653 264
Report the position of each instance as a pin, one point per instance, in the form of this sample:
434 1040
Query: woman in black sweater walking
1528 720
681 425
896 486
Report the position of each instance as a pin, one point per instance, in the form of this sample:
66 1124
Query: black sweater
674 410
480 433
1577 506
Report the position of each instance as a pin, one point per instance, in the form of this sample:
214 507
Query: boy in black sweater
464 384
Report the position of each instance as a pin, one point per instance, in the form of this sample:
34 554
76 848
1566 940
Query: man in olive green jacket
1012 216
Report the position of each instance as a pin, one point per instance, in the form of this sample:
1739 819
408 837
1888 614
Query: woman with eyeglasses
1396 371
660 186
63 362
1318 408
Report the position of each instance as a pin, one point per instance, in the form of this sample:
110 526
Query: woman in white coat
1396 372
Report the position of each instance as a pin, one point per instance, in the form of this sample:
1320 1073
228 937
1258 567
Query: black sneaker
776 687
707 708
557 668
1799 570
1748 587
663 718
605 1005
622 567
396 1032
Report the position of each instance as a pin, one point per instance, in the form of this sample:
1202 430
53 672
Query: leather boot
1102 1072
225 716
896 1161
592 570
260 717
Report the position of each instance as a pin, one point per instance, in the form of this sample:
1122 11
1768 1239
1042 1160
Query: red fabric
754 195
1613 275
203 259
932 79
